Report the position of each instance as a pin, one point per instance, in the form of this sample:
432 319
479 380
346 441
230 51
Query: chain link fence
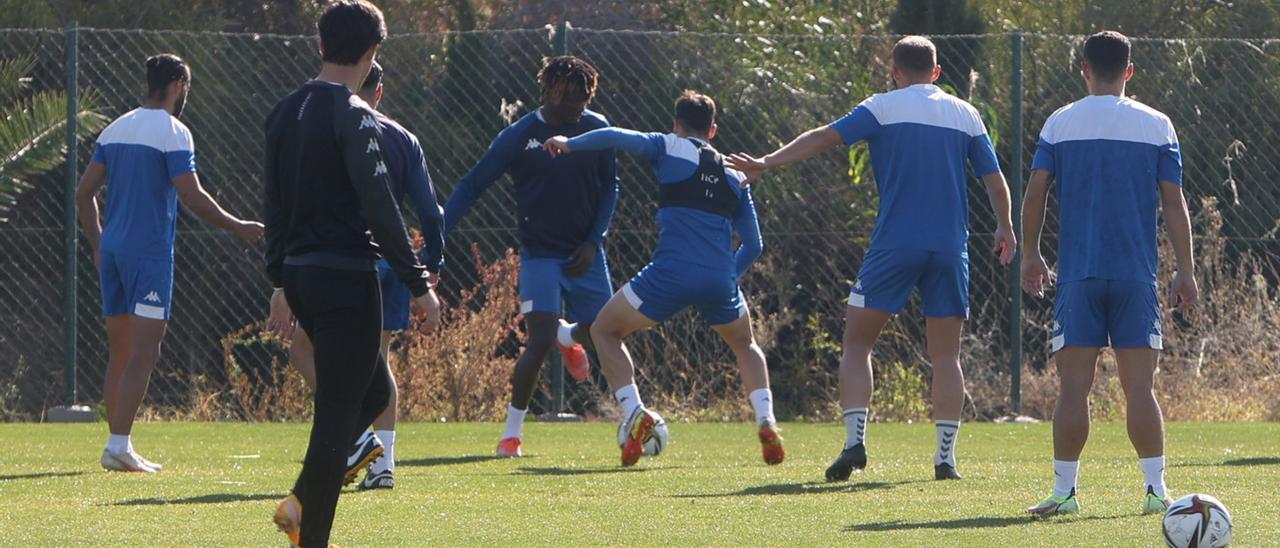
456 91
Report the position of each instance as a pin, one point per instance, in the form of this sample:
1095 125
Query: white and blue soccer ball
656 443
1197 520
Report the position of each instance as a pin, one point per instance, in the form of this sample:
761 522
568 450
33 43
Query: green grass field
221 482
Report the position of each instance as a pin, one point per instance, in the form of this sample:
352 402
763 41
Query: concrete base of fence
558 417
72 413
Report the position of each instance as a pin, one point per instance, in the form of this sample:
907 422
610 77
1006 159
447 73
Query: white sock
1153 474
119 444
629 398
515 422
1064 477
855 426
948 431
388 459
564 333
762 403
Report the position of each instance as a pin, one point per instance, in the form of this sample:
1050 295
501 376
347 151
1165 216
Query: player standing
409 176
326 189
920 139
700 205
563 208
1116 161
147 160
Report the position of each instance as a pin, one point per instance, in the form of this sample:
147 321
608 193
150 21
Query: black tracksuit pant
341 310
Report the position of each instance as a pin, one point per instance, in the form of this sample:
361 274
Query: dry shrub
459 372
1220 359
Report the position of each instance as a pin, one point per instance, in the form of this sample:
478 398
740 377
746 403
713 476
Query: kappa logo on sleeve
367 122
380 169
373 146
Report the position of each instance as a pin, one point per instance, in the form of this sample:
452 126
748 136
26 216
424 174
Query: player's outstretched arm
1035 273
1185 291
809 144
203 205
491 166
422 194
747 225
87 204
647 145
1006 244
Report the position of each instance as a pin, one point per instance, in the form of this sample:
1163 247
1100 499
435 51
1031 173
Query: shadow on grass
1251 461
560 471
984 522
38 475
806 488
216 498
446 461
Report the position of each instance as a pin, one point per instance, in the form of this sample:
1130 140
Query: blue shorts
1097 313
544 286
888 276
395 299
135 285
663 289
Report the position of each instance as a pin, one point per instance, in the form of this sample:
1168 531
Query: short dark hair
164 69
915 54
695 111
348 28
1107 53
568 78
373 79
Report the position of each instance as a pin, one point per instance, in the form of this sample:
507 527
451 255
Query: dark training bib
706 190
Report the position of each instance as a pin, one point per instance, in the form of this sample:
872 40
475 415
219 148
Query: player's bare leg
615 322
117 358
861 328
1076 368
540 337
943 336
755 379
1137 370
302 354
145 335
381 471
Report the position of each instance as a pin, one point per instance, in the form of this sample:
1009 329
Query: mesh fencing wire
456 91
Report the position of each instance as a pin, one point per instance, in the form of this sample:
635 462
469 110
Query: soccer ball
1197 520
656 443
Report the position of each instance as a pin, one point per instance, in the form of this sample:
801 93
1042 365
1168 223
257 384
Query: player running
1115 161
327 187
563 208
408 170
700 205
920 140
147 160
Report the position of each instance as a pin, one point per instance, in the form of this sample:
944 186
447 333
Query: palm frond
33 138
13 77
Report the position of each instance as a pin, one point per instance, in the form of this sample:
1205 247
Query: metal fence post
70 217
1015 291
560 46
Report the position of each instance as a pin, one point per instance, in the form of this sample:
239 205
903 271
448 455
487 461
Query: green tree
32 129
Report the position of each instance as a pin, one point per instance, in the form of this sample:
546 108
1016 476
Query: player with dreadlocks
563 208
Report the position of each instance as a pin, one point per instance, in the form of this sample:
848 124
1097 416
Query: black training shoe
377 480
850 458
366 450
945 471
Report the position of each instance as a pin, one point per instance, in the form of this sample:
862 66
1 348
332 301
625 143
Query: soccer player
700 205
1115 161
147 160
327 188
408 169
920 140
563 208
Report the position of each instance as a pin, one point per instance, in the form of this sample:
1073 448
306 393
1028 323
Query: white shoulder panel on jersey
926 105
681 148
147 127
1109 118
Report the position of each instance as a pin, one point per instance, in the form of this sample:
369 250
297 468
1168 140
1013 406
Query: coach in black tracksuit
326 190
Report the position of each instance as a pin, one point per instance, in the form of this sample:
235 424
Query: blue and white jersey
1108 155
920 139
686 235
143 151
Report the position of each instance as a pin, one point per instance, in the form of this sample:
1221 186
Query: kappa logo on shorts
152 297
1056 326
532 144
857 285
